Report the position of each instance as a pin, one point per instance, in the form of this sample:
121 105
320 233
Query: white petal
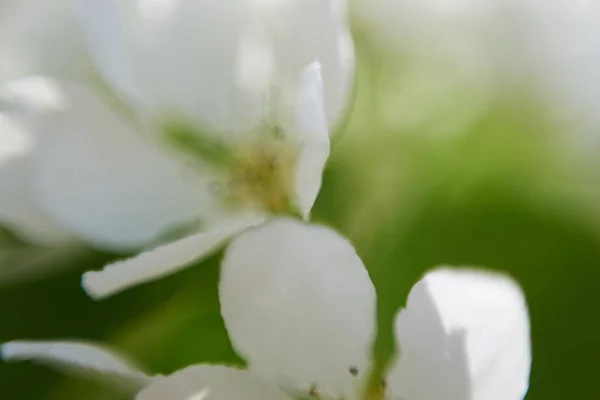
204 382
18 211
180 56
80 358
299 305
464 335
256 61
560 52
41 37
194 59
313 137
327 40
97 176
163 260
104 35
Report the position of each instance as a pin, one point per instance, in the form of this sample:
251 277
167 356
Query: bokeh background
438 162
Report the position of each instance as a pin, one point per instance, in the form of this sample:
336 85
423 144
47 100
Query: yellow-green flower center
259 174
262 176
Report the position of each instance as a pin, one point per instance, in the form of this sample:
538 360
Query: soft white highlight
313 136
464 334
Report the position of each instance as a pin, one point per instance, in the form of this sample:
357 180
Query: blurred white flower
300 308
551 48
198 106
411 23
435 58
560 53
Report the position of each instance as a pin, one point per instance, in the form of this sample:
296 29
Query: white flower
300 308
560 52
552 48
194 97
429 53
214 63
412 23
163 260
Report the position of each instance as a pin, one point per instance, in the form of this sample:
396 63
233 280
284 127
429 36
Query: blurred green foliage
494 194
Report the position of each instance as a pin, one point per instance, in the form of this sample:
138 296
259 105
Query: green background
500 193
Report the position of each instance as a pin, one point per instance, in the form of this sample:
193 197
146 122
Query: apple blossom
300 308
198 112
173 256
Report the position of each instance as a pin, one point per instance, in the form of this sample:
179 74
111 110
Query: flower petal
559 51
104 35
167 51
95 175
41 38
163 260
313 136
76 356
299 305
18 211
328 40
463 335
204 382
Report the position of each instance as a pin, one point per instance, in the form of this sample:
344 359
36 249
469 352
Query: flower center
373 389
259 174
262 175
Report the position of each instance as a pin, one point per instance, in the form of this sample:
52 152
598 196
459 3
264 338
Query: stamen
313 392
263 175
